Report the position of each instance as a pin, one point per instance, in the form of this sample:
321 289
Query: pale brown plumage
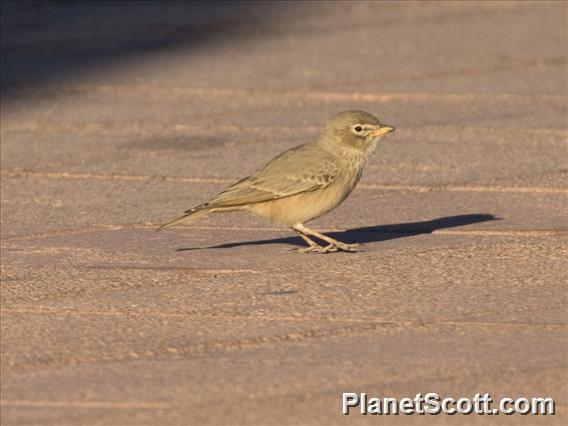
304 182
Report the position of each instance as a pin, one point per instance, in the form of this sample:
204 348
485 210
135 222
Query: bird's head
357 129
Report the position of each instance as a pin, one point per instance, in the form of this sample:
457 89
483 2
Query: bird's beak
383 130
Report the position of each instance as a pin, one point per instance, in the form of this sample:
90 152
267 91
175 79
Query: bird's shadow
371 234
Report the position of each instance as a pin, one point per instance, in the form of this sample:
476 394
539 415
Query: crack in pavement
186 179
84 404
168 91
152 226
247 343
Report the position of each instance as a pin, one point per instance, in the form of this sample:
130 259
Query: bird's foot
319 249
331 248
347 247
311 249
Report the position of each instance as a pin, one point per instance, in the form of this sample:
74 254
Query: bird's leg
334 245
312 245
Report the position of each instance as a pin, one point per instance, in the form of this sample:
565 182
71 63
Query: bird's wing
302 169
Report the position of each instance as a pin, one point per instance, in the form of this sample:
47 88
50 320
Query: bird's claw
311 249
348 247
331 248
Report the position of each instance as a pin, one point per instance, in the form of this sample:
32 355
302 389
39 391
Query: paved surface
115 119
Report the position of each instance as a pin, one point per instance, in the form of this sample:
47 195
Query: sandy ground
115 118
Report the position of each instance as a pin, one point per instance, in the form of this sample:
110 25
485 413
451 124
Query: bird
304 182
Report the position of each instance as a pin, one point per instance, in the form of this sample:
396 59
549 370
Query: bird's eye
358 129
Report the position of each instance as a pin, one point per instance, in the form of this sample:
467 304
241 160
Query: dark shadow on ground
371 234
47 42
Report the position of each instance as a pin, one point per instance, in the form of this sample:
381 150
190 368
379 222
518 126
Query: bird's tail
190 215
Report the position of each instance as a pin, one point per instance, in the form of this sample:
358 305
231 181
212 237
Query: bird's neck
353 153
